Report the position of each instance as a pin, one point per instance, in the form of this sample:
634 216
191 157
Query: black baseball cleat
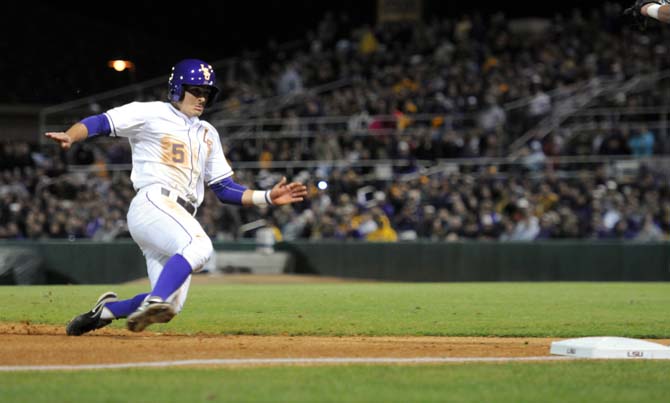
153 310
89 321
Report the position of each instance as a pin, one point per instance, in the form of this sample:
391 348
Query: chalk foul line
280 361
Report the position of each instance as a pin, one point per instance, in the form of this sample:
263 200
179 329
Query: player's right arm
89 127
77 132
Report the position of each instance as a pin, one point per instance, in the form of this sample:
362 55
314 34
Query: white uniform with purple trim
174 156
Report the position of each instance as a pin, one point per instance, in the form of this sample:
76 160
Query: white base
610 347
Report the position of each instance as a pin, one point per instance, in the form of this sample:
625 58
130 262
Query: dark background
58 52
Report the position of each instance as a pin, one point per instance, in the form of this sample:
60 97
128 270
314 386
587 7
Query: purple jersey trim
96 125
228 191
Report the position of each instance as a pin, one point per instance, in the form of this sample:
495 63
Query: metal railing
219 113
407 169
577 103
592 121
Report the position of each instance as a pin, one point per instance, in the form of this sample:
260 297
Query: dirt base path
27 344
24 344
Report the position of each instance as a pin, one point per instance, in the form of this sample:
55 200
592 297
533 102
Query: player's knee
199 252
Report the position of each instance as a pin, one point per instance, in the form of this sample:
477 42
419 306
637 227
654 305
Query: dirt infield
29 344
25 344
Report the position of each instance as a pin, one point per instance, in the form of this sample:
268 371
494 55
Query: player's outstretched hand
635 12
61 138
283 193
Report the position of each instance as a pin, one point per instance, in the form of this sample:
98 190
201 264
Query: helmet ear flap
182 93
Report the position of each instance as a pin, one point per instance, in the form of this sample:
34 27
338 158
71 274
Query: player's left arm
280 194
230 192
219 178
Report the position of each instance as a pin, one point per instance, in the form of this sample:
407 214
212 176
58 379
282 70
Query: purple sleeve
228 191
97 124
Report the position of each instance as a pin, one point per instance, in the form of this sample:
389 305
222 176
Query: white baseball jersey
170 148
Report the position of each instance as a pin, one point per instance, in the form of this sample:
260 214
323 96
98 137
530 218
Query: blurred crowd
416 94
448 88
488 79
39 199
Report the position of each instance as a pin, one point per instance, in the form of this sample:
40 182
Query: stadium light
121 65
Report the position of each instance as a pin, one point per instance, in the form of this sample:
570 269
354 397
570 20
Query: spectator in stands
427 220
549 226
615 144
621 230
384 232
290 81
532 156
493 117
540 104
650 231
300 226
641 143
524 226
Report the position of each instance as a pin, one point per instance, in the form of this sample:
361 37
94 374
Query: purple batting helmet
191 72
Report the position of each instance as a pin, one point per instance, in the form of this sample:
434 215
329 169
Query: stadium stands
474 127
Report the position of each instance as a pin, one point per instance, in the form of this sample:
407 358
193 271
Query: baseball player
174 154
656 9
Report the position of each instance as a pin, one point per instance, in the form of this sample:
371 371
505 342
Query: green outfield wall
486 261
86 262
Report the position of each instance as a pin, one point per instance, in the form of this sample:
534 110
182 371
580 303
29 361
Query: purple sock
122 309
175 272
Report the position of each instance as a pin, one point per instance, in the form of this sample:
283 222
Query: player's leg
121 309
162 227
156 264
158 309
93 319
106 309
170 284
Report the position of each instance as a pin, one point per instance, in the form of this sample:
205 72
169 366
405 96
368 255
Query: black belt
190 208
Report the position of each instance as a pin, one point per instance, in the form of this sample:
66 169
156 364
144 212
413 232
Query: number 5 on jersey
174 151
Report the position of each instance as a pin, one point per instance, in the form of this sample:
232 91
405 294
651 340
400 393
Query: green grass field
379 309
560 310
